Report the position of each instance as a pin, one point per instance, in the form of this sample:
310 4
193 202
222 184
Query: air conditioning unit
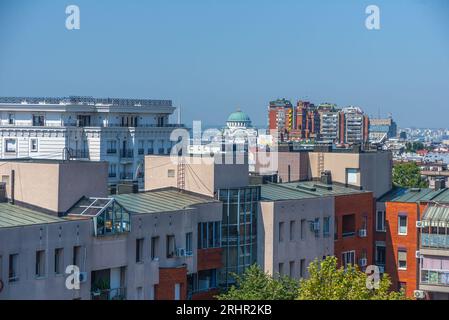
419 224
419 294
363 262
418 255
180 252
363 233
83 277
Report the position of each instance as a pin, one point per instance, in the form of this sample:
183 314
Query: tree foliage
408 175
328 282
255 284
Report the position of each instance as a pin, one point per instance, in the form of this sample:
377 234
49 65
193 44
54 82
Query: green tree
328 282
408 175
255 284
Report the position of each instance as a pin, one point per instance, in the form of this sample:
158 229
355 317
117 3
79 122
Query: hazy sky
214 56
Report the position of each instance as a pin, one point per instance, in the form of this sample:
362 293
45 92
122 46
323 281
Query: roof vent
415 189
326 177
306 187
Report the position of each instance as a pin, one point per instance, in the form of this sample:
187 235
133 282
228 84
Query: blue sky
213 56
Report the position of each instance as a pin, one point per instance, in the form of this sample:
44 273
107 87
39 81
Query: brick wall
168 277
394 241
209 259
360 205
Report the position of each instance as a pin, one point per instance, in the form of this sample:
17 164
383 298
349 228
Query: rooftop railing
438 241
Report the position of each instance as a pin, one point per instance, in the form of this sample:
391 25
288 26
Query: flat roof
304 190
411 195
16 216
45 160
162 200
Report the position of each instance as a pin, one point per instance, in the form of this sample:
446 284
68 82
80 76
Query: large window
402 225
203 281
209 235
111 147
348 225
380 255
380 221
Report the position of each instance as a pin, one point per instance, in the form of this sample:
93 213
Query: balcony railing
435 277
79 154
438 241
109 294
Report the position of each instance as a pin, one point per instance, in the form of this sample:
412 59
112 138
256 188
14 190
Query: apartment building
281 117
300 222
354 126
330 129
120 131
382 129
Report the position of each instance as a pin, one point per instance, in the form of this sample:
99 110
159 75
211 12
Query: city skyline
321 52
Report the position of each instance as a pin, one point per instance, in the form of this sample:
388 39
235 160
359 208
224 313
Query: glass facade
239 231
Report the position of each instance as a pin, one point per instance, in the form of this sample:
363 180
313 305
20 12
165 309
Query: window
154 248
352 175
111 147
77 256
13 274
402 225
112 170
303 229
326 227
38 120
348 258
170 173
40 263
11 118
10 145
139 250
189 250
281 269
59 261
209 235
292 230
141 148
380 255
402 259
177 291
348 225
281 231
161 148
33 145
335 228
292 269
150 147
302 268
380 221
171 246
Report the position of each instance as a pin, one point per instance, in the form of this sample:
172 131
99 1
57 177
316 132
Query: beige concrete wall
200 177
374 169
54 186
271 251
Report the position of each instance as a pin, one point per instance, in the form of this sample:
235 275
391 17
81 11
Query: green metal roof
16 216
416 195
304 190
160 201
239 116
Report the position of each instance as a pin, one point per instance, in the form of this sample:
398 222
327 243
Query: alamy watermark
372 22
73 21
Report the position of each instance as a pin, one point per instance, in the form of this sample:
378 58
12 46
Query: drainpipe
13 176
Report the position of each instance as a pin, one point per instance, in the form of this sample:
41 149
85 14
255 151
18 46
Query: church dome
239 116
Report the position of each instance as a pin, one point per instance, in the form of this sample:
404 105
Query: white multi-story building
120 131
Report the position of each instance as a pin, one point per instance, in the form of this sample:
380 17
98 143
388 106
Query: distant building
280 117
120 131
382 129
354 126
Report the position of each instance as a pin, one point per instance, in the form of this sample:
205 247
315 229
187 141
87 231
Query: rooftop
304 190
16 216
163 200
78 100
412 195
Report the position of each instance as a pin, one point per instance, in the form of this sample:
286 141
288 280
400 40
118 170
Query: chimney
326 177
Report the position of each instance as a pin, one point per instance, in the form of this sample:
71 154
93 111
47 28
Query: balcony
436 241
109 294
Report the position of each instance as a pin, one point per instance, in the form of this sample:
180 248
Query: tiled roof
16 216
160 201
